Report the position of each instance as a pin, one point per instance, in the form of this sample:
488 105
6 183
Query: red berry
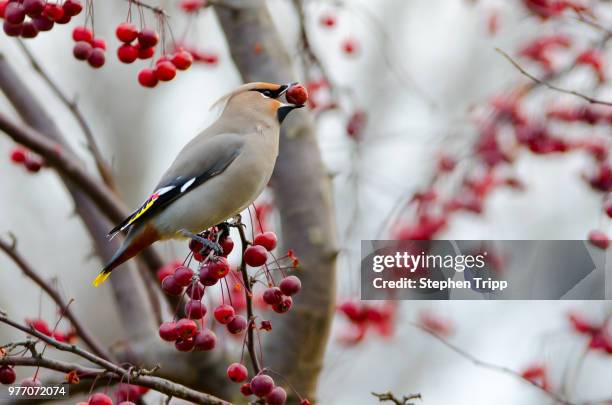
96 59
608 207
195 291
82 50
12 30
599 239
100 399
227 245
146 78
224 314
304 402
33 165
171 287
272 295
145 53
165 71
99 43
298 95
256 255
184 345
127 53
43 23
167 270
349 47
3 4
195 309
33 8
29 30
182 60
262 385
126 32
205 340
14 13
53 12
72 7
266 325
290 285
183 276
207 275
278 396
40 325
237 325
194 245
148 38
245 389
65 19
191 6
186 328
237 372
266 239
82 34
283 306
7 375
328 20
168 332
219 267
18 155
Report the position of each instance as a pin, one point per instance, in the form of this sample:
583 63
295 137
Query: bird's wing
194 165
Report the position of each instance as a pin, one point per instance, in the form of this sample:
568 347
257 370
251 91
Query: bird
217 175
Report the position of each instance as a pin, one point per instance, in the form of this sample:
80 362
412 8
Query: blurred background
421 75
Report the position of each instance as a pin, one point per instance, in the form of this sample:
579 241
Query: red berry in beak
224 314
297 95
237 372
262 385
256 256
290 285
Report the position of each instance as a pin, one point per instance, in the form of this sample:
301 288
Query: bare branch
388 396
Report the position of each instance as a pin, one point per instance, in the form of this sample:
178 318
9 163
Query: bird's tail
137 240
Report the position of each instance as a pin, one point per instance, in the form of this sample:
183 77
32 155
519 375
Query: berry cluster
26 18
364 316
598 333
41 326
88 48
261 385
31 162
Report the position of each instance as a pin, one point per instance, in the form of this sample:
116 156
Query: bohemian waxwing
215 176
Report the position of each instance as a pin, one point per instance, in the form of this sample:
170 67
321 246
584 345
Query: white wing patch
187 184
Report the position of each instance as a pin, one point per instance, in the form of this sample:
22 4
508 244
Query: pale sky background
440 44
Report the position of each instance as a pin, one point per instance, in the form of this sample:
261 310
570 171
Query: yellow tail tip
100 279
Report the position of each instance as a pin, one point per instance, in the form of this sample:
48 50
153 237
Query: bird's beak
284 88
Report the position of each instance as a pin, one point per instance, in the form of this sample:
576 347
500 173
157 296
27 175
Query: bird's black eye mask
273 93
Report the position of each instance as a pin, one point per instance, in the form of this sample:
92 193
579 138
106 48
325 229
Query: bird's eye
267 93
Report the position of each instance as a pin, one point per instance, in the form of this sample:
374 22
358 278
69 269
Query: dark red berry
278 396
290 285
99 43
33 8
40 325
195 309
72 7
127 53
145 53
245 389
82 34
256 256
65 19
126 32
266 325
195 245
12 30
29 30
7 375
219 267
171 287
53 12
272 295
18 155
14 13
183 276
224 314
148 38
237 372
167 270
297 95
205 340
262 385
100 399
304 402
146 78
165 71
168 332
283 306
33 165
237 325
182 60
184 345
97 58
43 23
186 328
608 207
82 50
227 245
3 4
195 291
266 239
599 239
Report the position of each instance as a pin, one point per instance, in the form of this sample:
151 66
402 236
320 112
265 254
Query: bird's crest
245 87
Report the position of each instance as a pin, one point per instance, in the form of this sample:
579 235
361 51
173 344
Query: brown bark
302 190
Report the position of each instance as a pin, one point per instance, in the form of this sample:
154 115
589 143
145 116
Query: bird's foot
207 244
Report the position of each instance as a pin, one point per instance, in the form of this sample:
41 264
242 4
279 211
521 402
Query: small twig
550 85
80 329
388 396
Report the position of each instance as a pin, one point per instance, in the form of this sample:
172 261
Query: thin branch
388 396
81 330
550 85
